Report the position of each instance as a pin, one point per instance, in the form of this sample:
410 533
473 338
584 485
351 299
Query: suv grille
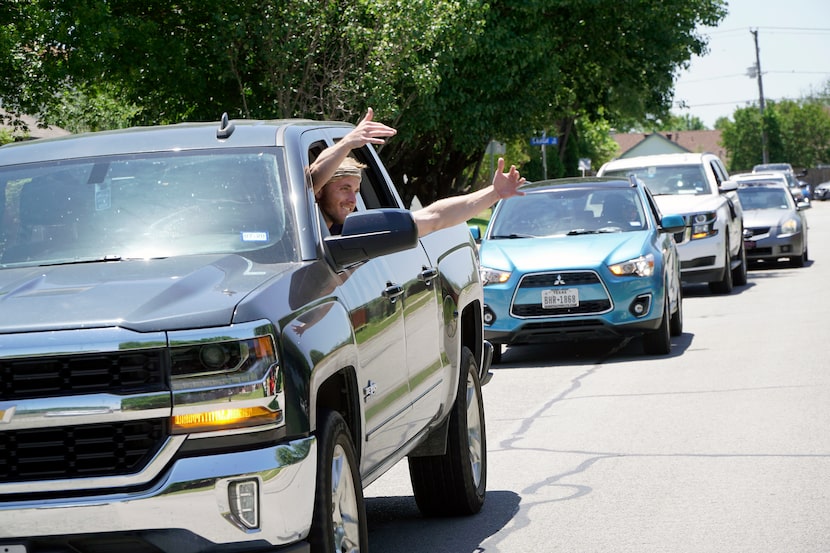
561 279
79 451
548 280
536 310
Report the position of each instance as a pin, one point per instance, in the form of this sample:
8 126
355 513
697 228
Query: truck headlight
642 266
225 378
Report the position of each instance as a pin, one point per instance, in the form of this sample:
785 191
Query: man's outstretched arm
454 210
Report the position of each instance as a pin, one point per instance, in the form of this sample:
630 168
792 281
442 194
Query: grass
481 220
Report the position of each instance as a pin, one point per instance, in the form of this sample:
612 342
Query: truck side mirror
373 233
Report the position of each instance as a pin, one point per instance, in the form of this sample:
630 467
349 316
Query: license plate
561 297
12 549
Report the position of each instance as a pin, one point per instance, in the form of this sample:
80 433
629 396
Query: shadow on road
587 352
395 524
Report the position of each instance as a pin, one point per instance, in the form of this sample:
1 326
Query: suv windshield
570 212
146 206
669 179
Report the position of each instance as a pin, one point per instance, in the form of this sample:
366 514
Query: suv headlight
642 266
703 225
225 378
493 276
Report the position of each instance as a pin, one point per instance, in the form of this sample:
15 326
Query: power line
749 102
744 75
800 30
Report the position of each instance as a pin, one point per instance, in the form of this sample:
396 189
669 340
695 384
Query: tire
739 272
801 260
676 320
339 522
454 484
497 351
725 285
658 342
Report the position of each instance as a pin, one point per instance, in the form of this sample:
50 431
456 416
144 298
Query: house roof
34 130
666 142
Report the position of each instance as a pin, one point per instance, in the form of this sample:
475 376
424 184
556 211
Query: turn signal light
234 417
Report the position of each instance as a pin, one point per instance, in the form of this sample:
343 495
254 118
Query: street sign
544 140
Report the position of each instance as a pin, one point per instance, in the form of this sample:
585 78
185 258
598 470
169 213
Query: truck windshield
146 206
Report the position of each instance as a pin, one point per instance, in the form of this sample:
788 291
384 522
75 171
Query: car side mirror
476 233
672 224
373 233
728 186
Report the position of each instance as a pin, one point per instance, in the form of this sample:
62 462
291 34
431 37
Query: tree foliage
797 132
449 74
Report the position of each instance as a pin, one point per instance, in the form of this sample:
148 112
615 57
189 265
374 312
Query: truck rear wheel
339 522
455 483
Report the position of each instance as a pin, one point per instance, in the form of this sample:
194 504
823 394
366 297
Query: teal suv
580 259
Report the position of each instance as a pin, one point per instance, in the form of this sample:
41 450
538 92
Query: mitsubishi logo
558 281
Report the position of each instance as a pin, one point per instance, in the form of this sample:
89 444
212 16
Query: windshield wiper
603 230
515 235
78 261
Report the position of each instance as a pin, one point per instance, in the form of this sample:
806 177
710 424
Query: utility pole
757 72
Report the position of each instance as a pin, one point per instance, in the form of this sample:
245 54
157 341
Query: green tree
449 75
804 131
797 132
541 66
742 138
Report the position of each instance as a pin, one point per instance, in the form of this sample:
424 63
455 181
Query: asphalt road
723 446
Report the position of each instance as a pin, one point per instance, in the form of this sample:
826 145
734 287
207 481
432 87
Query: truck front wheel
454 483
339 522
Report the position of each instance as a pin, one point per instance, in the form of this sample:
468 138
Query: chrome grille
79 451
114 373
749 232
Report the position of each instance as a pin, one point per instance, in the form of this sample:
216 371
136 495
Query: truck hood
141 295
678 204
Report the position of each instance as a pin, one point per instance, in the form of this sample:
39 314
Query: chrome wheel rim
474 444
345 517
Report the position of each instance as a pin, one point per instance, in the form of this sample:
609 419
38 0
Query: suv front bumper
703 260
188 510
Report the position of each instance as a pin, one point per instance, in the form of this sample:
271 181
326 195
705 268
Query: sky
794 50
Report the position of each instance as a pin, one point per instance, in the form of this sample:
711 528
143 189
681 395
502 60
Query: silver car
775 226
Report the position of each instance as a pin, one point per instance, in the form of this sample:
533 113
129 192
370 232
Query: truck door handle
428 274
393 292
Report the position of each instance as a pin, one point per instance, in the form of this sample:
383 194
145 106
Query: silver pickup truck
189 362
